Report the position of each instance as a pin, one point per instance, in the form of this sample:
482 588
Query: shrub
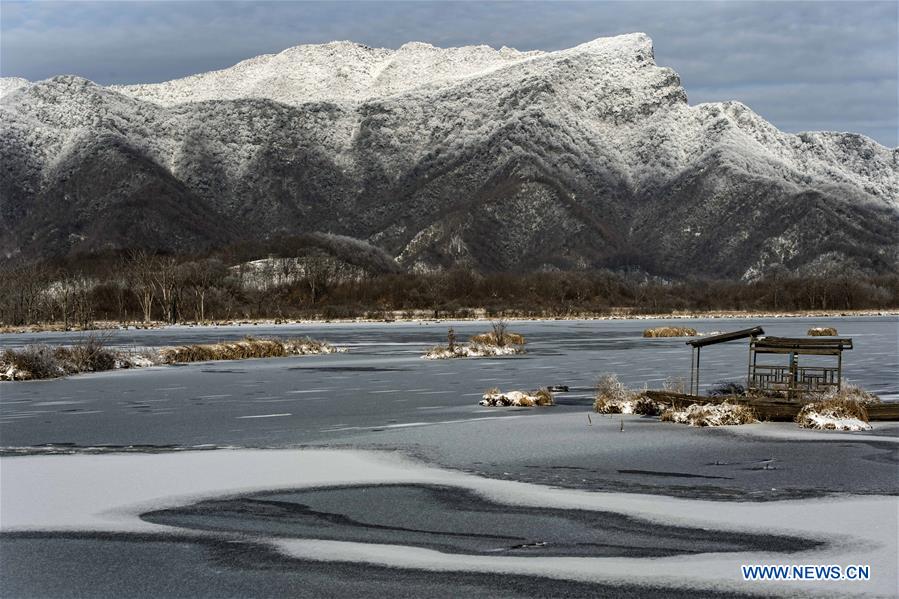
846 392
646 407
822 332
727 388
88 355
833 414
837 409
670 332
612 397
39 361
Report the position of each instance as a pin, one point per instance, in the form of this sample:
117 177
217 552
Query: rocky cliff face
497 159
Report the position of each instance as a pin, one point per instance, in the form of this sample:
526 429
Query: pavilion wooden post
698 344
698 351
692 367
839 371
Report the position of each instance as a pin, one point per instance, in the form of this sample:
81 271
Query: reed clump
42 361
821 332
247 348
670 332
498 335
613 397
838 409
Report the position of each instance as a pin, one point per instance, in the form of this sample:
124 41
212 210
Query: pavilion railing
781 378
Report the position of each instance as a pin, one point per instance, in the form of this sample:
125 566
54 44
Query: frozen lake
165 523
382 383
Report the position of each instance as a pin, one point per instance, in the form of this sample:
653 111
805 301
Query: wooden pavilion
785 378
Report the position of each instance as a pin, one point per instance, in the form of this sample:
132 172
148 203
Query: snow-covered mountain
497 159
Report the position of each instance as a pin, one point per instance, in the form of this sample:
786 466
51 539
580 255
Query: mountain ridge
577 156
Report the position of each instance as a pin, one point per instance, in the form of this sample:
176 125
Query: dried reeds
670 332
821 332
245 349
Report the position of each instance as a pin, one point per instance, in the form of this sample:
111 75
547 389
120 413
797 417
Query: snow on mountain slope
11 84
582 154
336 72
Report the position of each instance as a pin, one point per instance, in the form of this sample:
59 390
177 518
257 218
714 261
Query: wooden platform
771 409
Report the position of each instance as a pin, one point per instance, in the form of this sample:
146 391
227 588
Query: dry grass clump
499 335
544 397
670 332
821 332
490 338
723 414
497 342
847 392
494 397
45 362
612 397
838 409
89 355
246 348
833 414
32 362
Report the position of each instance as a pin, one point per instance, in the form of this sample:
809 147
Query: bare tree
318 272
436 285
139 273
284 270
201 277
499 331
165 280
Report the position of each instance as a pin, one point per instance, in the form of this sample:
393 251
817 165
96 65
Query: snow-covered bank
108 492
45 362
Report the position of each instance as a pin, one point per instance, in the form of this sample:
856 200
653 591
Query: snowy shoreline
399 319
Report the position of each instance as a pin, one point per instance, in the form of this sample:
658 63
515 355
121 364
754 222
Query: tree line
143 287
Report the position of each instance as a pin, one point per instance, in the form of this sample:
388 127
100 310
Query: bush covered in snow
494 397
838 409
496 342
246 348
33 362
723 414
612 397
87 355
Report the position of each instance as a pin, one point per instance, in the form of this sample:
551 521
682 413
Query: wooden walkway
771 409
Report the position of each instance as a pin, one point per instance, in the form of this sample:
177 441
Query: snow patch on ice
472 350
495 397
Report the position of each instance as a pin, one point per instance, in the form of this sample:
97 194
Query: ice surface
107 493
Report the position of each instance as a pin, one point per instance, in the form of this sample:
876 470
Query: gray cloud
801 65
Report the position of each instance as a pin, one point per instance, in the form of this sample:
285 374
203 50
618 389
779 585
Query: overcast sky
801 65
